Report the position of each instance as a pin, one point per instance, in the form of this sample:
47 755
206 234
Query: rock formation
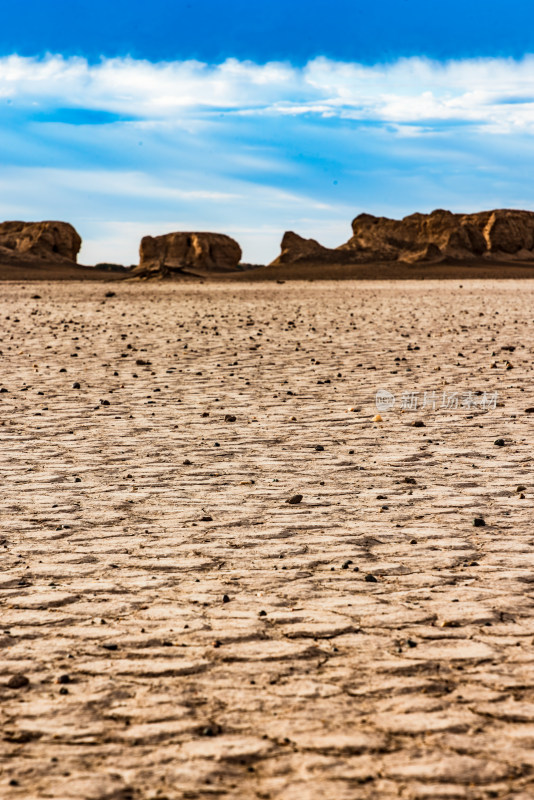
500 235
35 243
295 249
176 253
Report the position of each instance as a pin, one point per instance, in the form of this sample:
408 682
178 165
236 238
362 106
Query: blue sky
266 30
251 119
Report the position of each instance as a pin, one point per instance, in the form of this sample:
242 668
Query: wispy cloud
124 147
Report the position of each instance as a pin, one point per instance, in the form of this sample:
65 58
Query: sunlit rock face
441 235
53 242
187 252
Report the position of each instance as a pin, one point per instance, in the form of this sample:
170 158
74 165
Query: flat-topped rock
27 242
179 252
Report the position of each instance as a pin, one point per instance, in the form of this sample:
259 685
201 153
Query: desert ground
172 627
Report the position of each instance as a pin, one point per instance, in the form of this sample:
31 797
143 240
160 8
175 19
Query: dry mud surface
187 633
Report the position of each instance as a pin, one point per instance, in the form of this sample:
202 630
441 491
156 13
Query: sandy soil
187 633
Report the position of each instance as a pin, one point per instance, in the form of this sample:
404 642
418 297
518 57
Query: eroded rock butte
502 234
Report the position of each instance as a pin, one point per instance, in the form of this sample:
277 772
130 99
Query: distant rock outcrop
176 253
38 243
295 249
440 236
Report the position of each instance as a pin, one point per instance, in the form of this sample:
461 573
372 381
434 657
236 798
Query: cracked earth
171 627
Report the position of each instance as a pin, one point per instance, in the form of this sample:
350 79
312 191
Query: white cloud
253 150
494 93
114 209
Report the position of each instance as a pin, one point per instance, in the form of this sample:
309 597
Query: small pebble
295 500
211 730
18 681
